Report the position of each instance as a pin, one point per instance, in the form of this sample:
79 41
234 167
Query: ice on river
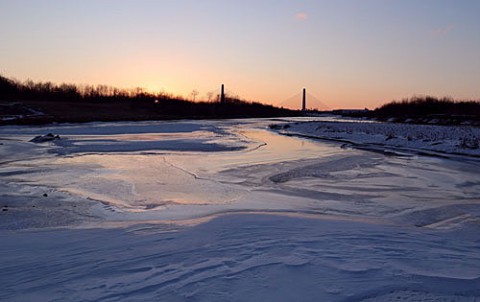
230 211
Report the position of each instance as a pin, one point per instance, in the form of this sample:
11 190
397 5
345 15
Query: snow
462 140
230 211
241 258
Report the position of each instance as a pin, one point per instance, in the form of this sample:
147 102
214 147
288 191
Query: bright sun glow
349 54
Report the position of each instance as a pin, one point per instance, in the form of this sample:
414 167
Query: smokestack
304 100
222 94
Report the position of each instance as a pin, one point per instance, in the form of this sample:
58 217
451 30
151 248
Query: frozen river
187 170
256 204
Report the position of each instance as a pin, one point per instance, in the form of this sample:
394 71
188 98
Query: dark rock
45 138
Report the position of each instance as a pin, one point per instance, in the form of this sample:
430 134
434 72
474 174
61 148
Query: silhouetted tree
67 102
428 105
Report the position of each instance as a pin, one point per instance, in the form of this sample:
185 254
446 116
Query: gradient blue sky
348 53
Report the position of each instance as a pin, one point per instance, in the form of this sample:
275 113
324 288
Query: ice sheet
230 211
139 175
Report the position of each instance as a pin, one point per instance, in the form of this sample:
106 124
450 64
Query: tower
222 94
304 100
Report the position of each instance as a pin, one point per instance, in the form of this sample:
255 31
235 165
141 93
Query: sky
346 53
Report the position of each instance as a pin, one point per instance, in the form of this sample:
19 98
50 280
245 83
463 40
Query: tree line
422 106
16 90
78 103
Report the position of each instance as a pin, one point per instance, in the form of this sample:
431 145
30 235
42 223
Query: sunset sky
347 53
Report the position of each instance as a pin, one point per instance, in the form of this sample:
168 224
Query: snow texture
230 211
242 258
463 140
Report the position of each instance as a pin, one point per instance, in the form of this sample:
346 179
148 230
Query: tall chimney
222 94
304 100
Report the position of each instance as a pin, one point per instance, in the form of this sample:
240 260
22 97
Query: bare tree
209 96
194 94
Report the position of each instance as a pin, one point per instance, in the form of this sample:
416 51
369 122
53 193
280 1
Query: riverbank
43 112
397 137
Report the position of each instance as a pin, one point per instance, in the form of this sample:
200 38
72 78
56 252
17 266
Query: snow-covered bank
242 258
464 140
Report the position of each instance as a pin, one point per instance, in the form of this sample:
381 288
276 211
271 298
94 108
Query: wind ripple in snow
242 258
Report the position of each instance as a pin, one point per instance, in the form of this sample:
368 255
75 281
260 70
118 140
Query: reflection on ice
145 182
184 170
